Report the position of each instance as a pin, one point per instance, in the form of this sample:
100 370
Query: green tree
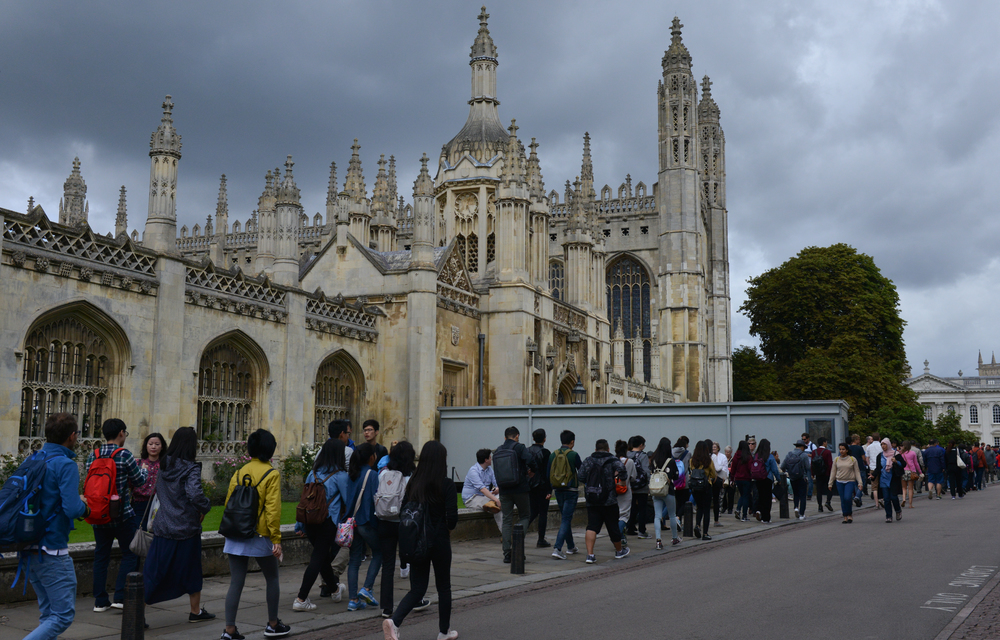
754 379
948 427
828 323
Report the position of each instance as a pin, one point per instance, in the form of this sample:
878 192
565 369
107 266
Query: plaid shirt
128 472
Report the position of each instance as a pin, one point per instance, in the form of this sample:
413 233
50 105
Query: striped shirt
128 472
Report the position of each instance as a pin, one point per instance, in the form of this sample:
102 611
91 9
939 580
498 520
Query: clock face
466 205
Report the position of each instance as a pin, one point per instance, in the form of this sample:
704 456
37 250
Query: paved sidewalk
477 568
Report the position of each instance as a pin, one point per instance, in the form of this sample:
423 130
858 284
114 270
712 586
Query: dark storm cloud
867 123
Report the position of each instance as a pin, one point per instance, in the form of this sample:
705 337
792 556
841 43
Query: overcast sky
870 123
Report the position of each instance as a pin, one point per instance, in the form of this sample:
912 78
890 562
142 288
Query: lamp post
645 398
579 393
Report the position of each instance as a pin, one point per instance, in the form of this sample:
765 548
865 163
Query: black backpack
239 520
541 461
797 470
641 480
596 489
818 465
697 480
414 532
506 467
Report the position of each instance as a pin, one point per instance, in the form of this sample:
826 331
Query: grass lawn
85 533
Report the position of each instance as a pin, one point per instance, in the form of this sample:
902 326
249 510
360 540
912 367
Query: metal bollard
134 615
783 498
688 520
517 549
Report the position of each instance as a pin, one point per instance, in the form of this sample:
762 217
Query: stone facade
484 288
976 399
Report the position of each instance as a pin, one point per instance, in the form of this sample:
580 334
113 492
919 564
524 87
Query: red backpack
758 468
101 486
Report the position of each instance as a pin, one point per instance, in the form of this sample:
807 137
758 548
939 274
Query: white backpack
389 496
659 483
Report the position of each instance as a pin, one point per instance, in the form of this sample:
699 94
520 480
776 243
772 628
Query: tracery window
226 394
628 288
973 414
337 393
66 366
557 279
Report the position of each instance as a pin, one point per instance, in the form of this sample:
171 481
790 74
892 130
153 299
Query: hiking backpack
239 519
595 490
21 521
681 481
506 468
818 464
415 533
561 472
758 468
641 480
313 507
101 488
389 496
659 482
698 480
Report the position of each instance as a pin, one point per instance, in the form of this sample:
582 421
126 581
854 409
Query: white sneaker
390 630
308 605
117 605
404 573
796 512
339 594
451 635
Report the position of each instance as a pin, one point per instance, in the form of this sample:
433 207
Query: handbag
142 538
345 530
958 460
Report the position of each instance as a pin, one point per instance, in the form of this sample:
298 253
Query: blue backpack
681 481
21 523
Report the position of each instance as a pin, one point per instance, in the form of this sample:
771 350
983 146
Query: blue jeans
364 533
124 531
54 580
846 492
979 478
666 504
746 492
567 506
810 487
799 487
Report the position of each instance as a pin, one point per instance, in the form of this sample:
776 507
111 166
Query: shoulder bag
345 530
143 538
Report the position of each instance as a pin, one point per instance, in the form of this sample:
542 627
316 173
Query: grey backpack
389 496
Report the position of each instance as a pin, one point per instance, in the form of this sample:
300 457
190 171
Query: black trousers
764 498
703 509
539 508
637 517
716 497
388 539
324 551
820 488
420 577
956 480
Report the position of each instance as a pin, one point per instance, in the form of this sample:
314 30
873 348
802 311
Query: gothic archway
231 377
564 393
628 288
339 389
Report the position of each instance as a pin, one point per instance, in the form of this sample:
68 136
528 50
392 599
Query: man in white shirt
477 490
872 449
810 447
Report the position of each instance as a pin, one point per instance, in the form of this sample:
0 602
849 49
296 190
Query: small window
996 414
624 231
973 414
644 231
928 412
248 259
406 247
996 441
552 237
951 409
607 233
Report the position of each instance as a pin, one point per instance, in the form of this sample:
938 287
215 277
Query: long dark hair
663 454
331 456
401 458
183 446
163 446
360 459
425 483
763 448
743 451
700 457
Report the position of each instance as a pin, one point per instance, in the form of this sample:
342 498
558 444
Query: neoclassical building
976 399
484 288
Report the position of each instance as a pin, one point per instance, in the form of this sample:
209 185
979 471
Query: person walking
173 564
797 465
721 463
937 469
430 487
889 465
858 452
764 464
513 467
625 499
729 486
153 446
640 488
740 474
821 472
666 504
50 567
362 486
328 469
600 470
401 458
564 465
539 489
128 475
873 449
682 494
847 474
701 479
956 470
265 546
911 472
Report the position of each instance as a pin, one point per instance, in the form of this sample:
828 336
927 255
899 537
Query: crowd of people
366 503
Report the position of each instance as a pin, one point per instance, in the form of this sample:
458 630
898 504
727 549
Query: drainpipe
482 351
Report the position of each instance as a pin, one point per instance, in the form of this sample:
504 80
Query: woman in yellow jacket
265 547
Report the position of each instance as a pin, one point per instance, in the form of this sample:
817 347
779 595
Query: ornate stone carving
41 264
18 258
126 283
456 335
86 274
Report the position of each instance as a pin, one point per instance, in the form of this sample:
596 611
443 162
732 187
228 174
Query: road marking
972 578
967 610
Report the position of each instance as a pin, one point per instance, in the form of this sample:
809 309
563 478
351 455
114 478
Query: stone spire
513 167
331 196
287 192
980 356
536 184
482 46
708 110
266 224
121 220
288 211
587 170
222 209
677 56
160 233
423 219
380 192
31 204
73 208
354 185
393 193
359 209
384 223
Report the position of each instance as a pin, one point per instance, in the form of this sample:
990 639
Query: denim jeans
666 504
979 478
124 531
799 488
364 533
54 580
890 500
567 507
746 492
846 491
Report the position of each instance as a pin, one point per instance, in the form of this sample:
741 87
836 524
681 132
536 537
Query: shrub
9 462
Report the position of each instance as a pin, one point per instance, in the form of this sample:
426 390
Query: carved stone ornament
126 282
41 264
18 258
456 334
86 274
145 287
466 205
550 357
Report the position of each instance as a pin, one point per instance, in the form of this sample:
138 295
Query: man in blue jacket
936 467
50 569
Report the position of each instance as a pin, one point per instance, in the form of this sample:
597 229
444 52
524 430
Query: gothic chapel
483 289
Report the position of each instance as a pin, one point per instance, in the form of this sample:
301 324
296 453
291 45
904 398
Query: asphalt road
819 580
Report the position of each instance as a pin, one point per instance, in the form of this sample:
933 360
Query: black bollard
688 520
133 615
782 493
517 549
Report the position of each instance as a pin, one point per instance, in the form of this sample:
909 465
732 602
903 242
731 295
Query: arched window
628 288
996 414
557 279
339 382
973 414
66 369
225 412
